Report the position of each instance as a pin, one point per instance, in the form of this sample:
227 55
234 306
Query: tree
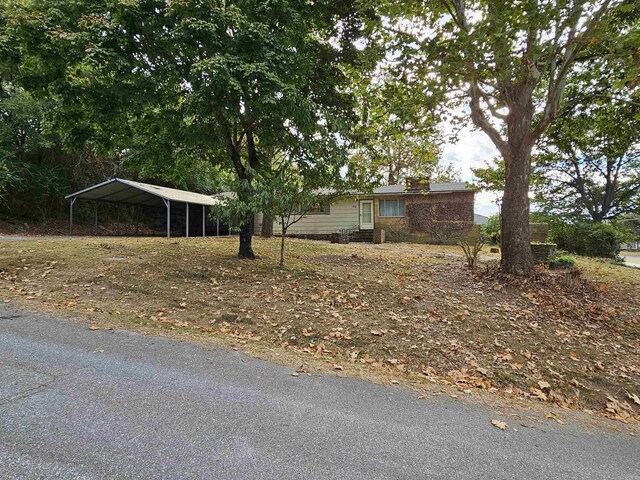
398 134
293 185
292 195
590 164
221 81
445 173
587 165
510 62
491 176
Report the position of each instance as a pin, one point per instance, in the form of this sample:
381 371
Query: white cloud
472 150
486 202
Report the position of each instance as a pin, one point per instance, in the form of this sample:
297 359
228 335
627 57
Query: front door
366 214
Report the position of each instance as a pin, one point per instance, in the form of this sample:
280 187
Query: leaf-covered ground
412 311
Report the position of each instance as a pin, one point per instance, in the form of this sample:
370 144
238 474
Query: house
480 219
416 212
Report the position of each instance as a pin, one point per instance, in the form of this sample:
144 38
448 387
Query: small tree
290 195
471 249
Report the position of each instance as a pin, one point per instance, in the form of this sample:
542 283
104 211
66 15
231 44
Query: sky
472 150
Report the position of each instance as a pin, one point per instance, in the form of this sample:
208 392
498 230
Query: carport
128 192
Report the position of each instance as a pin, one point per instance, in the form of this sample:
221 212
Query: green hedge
589 239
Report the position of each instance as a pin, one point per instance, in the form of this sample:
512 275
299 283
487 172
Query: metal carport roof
118 190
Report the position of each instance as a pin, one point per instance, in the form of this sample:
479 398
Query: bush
589 239
471 251
562 262
491 229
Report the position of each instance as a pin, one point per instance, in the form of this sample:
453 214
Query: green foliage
589 239
562 262
491 177
630 224
590 158
508 62
491 229
172 86
398 135
9 176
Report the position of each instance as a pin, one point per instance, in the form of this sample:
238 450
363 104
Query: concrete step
363 236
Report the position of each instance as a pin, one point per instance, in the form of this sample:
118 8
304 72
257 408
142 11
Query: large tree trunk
245 249
515 238
246 234
266 231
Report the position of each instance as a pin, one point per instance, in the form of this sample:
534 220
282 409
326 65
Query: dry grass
410 311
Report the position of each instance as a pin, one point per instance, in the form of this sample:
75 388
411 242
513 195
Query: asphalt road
75 403
631 259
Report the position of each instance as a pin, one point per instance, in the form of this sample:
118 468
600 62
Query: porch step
363 236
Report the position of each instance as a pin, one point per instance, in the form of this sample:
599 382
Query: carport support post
71 202
187 228
204 233
95 220
168 205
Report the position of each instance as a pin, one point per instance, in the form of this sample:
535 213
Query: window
391 208
319 208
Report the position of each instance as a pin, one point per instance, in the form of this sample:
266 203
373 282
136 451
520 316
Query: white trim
93 187
365 226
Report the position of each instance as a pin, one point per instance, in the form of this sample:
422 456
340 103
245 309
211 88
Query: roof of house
118 190
480 219
433 188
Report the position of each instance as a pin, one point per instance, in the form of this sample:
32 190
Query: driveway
631 258
76 403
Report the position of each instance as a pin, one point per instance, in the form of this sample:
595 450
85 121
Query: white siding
257 223
343 214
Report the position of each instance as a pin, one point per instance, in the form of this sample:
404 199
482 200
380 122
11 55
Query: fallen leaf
94 327
338 367
499 424
539 394
634 397
553 416
544 385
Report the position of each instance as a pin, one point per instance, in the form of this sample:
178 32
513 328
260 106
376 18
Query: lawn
411 312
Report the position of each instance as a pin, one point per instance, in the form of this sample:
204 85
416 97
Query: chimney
414 183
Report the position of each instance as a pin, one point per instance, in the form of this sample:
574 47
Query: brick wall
432 217
539 232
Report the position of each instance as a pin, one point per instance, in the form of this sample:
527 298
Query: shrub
471 251
562 262
589 239
491 229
